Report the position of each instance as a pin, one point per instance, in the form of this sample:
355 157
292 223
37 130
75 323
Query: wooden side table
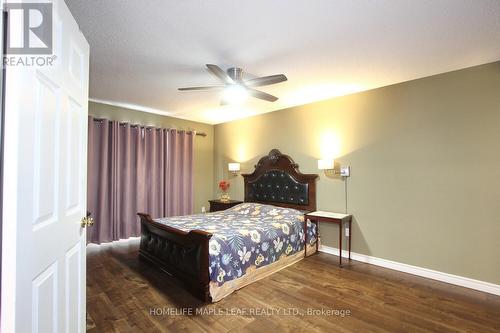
329 217
217 205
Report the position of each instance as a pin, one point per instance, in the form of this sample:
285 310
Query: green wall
425 160
203 146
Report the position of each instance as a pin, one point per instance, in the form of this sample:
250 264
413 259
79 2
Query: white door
45 172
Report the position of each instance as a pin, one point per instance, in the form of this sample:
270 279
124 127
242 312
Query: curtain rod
202 134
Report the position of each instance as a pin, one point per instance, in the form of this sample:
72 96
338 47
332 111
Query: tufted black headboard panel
278 186
276 180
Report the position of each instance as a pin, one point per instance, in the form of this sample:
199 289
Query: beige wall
203 146
425 158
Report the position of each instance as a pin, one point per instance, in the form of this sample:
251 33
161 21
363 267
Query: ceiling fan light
234 94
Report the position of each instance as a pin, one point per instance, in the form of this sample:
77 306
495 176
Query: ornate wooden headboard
277 180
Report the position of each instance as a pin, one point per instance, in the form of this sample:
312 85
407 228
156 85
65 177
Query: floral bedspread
246 235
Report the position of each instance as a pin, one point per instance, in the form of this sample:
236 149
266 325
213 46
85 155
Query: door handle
87 221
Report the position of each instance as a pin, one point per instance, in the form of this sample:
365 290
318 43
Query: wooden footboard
181 254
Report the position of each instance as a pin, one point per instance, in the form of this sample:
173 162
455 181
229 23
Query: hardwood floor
126 295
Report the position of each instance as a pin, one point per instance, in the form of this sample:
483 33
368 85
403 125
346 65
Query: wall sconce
233 168
329 164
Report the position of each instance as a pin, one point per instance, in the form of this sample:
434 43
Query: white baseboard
487 287
120 241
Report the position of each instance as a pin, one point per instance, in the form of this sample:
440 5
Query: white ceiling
142 51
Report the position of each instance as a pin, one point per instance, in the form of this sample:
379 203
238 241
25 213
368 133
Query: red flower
224 185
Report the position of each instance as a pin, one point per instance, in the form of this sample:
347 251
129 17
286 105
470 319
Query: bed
217 253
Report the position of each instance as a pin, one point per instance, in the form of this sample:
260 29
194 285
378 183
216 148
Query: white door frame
2 94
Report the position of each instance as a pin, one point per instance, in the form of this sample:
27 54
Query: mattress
247 238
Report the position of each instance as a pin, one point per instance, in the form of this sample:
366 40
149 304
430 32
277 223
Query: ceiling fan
235 89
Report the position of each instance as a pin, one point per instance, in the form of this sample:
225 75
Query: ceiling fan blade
262 95
265 80
220 73
201 88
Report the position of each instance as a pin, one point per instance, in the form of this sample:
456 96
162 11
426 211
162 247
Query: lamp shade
326 164
233 167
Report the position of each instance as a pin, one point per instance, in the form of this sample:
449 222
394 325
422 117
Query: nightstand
330 217
217 205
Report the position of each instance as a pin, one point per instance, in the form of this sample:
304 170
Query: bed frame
276 180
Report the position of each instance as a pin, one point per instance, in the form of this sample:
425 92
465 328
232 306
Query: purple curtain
136 169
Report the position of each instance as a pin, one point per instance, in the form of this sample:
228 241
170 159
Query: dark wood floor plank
382 310
445 310
123 294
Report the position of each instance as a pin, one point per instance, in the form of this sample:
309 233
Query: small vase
224 197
